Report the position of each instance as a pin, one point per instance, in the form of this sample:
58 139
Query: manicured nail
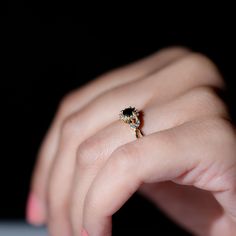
35 210
84 232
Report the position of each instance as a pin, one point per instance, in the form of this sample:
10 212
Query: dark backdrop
48 51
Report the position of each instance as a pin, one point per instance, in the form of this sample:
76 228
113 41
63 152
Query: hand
91 163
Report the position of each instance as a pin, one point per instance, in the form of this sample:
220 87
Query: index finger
178 154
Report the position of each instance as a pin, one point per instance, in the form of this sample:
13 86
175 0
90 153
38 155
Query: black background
49 49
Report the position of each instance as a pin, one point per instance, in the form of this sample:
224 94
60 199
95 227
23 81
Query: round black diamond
128 111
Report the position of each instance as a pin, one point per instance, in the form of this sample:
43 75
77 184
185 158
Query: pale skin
91 163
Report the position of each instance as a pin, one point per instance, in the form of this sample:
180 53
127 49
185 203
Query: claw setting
130 116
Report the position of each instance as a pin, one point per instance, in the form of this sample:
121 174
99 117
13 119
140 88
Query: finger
179 154
93 153
90 120
75 130
188 206
75 101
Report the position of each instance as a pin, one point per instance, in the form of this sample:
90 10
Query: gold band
138 133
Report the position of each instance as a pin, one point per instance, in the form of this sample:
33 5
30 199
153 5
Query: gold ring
130 116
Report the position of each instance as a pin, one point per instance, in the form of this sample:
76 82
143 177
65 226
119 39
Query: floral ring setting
130 116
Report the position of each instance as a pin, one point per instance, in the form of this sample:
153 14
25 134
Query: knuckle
200 62
208 100
69 126
226 130
223 131
124 157
66 103
174 50
89 152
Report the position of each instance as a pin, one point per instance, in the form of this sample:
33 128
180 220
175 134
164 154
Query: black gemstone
128 111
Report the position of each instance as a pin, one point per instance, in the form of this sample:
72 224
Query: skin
90 163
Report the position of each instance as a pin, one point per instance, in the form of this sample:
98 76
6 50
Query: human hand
91 163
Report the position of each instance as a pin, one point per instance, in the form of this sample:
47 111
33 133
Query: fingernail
34 212
84 233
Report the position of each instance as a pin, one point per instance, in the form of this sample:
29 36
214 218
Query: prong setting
130 116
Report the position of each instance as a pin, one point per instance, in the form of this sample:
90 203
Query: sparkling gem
128 111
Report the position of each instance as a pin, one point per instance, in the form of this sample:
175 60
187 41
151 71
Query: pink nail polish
84 232
34 211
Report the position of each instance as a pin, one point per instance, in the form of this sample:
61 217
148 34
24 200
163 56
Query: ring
130 116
